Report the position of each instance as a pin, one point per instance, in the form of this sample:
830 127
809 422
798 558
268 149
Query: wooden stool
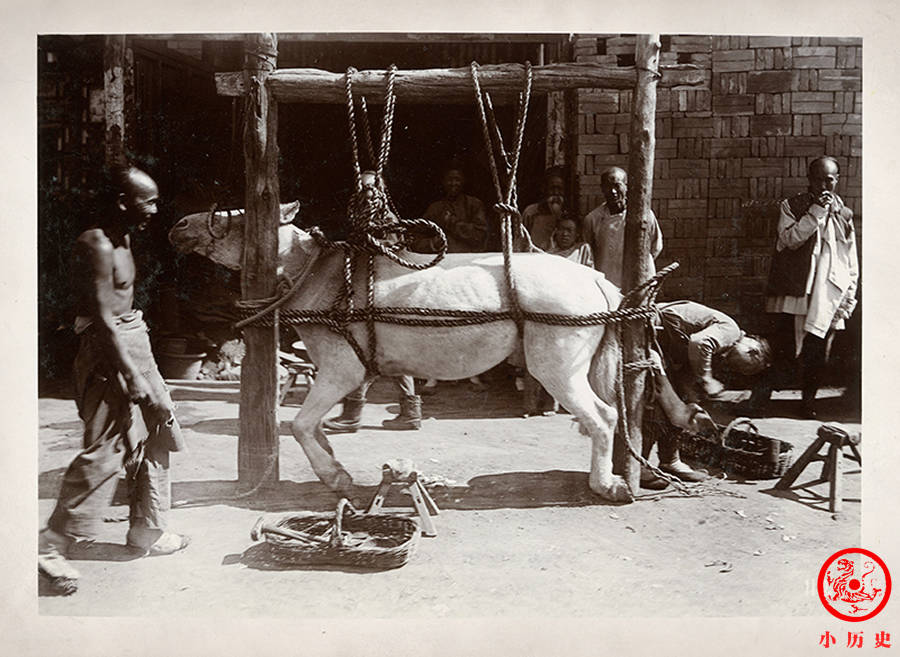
837 438
399 472
297 364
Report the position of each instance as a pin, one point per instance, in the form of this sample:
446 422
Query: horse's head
219 235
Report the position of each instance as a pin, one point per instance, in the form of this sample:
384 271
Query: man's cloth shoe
350 418
53 567
166 543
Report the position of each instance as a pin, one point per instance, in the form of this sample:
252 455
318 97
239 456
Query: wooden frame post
114 71
636 270
258 439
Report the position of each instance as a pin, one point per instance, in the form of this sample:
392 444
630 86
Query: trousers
118 435
810 364
405 385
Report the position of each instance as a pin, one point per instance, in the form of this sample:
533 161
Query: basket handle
343 507
734 424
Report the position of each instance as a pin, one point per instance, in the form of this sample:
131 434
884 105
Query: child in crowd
566 243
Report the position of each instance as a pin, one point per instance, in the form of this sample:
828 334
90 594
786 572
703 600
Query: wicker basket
741 450
347 538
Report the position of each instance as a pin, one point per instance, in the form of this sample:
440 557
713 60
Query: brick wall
728 150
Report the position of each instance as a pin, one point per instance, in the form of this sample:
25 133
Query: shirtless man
128 415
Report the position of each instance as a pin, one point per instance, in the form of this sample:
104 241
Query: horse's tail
605 363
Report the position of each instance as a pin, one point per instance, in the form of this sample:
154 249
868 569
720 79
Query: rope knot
368 208
507 209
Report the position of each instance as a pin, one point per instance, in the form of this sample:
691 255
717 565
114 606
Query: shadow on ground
509 490
260 557
804 494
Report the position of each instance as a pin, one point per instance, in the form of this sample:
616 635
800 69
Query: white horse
577 365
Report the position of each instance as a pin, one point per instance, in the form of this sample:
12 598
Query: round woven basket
346 538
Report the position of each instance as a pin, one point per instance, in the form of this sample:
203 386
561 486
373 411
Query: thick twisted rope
506 200
370 148
412 316
436 317
354 143
389 102
373 220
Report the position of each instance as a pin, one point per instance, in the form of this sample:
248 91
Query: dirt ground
519 533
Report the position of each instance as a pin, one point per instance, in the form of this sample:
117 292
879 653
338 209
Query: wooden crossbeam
451 85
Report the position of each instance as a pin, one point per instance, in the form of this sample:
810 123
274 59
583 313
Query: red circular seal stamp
854 584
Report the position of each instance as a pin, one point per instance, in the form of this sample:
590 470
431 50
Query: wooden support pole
444 85
557 129
636 259
258 441
114 69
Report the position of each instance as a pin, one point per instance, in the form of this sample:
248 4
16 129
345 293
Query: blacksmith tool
262 527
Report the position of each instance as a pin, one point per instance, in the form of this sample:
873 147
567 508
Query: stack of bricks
728 150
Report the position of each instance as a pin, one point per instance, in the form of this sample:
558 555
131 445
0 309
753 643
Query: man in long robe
812 282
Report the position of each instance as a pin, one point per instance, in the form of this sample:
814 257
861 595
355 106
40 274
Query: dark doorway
317 160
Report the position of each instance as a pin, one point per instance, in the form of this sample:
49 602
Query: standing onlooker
460 216
812 282
604 227
128 415
541 218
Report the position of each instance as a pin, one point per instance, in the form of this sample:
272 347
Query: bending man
693 336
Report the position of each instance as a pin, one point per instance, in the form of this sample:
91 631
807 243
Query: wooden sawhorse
399 472
837 438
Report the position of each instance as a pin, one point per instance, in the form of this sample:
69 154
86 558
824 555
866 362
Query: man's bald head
823 178
614 185
824 164
138 195
613 174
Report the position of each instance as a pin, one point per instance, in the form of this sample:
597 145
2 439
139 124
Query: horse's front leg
330 387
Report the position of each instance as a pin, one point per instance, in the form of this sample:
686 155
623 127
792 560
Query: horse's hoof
615 491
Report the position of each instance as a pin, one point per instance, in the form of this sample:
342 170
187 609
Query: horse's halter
210 221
